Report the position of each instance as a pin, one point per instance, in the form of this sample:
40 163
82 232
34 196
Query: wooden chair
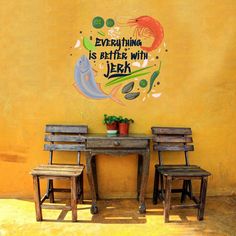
64 138
169 139
64 172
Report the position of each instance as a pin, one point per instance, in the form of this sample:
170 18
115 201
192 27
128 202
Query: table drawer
117 143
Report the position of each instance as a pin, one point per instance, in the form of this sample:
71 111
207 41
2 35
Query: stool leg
184 191
162 190
51 193
167 201
74 198
155 188
190 189
80 188
203 190
37 197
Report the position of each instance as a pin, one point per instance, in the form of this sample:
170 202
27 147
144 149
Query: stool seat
58 170
184 171
69 172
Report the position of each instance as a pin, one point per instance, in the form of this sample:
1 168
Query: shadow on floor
118 217
125 211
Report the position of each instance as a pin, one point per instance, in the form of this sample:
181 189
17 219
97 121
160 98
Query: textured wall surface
198 87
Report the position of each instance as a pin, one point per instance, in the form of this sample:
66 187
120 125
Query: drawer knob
116 143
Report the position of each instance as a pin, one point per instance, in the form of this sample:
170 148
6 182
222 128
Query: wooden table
118 145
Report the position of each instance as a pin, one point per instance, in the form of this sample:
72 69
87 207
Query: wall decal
98 22
110 22
85 82
124 57
128 87
143 83
77 45
146 26
153 78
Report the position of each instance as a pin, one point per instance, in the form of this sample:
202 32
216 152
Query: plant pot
112 127
124 128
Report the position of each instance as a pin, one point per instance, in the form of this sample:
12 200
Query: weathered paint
197 85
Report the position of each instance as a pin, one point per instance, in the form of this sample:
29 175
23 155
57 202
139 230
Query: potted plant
111 123
124 125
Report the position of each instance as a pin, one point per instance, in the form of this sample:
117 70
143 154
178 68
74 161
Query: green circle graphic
98 22
110 22
143 83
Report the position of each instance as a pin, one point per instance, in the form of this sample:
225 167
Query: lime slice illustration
98 22
110 22
88 44
143 83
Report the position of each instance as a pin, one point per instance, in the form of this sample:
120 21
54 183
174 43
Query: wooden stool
72 173
64 138
171 140
184 173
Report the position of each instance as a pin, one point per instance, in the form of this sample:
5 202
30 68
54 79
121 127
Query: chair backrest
172 139
65 138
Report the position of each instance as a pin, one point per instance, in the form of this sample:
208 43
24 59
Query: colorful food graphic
131 96
127 77
101 33
121 58
85 82
77 45
143 83
153 78
88 44
110 22
98 22
128 87
146 26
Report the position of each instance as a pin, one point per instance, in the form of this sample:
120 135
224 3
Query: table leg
139 174
91 180
144 179
94 170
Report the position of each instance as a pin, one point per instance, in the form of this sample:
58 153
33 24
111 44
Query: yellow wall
197 83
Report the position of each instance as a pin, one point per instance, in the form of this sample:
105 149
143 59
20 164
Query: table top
117 136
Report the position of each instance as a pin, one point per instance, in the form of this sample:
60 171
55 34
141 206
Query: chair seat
184 171
162 167
64 172
172 140
57 170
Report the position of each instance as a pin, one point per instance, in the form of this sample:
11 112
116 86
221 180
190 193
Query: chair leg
80 183
167 201
156 188
51 193
162 191
37 198
74 198
190 191
202 198
184 191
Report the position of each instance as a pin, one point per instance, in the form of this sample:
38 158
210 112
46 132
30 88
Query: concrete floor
118 217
